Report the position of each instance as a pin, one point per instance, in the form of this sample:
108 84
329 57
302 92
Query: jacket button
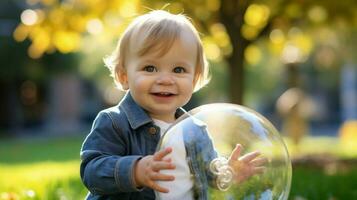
152 130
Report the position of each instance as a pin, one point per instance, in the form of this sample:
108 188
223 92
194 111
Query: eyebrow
184 64
180 63
144 61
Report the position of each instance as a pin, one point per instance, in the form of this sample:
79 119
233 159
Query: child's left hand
246 165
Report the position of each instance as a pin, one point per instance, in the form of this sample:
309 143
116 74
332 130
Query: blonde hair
158 30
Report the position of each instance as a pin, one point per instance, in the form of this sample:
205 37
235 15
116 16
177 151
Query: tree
241 22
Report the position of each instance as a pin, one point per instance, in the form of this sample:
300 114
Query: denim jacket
200 153
121 135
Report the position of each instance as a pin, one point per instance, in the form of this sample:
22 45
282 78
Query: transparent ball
203 141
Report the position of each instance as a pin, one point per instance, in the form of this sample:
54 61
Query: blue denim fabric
123 134
200 153
119 137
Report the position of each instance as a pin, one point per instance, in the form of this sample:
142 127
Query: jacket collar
136 115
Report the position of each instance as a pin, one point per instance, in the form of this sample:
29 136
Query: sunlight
291 54
257 15
128 8
300 40
29 17
95 26
221 38
212 51
249 32
21 32
348 137
277 36
66 41
252 54
24 179
317 14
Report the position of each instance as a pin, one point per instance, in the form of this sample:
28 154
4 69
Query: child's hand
247 165
147 170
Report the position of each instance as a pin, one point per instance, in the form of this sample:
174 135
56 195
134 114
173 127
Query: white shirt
181 187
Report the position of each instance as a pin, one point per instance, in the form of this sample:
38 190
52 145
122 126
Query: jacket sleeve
105 168
209 153
200 152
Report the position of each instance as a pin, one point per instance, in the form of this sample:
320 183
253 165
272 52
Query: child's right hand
246 165
147 170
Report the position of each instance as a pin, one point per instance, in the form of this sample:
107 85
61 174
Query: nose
165 79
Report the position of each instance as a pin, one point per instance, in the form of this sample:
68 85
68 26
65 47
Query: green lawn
49 169
40 169
310 183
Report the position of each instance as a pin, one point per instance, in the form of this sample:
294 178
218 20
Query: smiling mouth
163 94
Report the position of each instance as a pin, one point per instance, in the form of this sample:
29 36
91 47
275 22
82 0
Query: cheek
187 84
140 82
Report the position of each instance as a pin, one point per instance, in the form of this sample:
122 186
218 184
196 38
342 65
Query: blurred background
293 61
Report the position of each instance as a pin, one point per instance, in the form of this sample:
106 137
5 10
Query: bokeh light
94 26
29 17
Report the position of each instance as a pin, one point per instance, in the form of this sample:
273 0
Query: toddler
160 62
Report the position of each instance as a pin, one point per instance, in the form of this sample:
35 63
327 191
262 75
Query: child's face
161 84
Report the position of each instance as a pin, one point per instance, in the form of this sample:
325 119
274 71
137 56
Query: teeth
164 93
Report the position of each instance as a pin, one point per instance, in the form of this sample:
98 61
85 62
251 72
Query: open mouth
163 94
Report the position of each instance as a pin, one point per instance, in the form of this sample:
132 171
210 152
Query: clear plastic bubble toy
205 152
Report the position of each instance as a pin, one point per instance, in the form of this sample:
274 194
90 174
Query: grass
33 150
310 183
40 169
44 180
341 148
49 169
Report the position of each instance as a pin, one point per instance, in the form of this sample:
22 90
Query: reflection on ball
204 150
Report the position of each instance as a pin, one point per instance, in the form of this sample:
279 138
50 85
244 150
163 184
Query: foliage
232 30
58 26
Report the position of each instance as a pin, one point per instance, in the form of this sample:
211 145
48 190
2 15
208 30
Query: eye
150 68
179 70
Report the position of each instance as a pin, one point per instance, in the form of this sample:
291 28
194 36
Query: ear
122 77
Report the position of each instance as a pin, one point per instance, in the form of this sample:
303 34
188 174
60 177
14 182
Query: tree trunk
236 71
231 14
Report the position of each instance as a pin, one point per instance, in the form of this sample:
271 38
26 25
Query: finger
161 177
157 166
160 154
259 161
157 187
167 159
259 170
236 152
249 156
